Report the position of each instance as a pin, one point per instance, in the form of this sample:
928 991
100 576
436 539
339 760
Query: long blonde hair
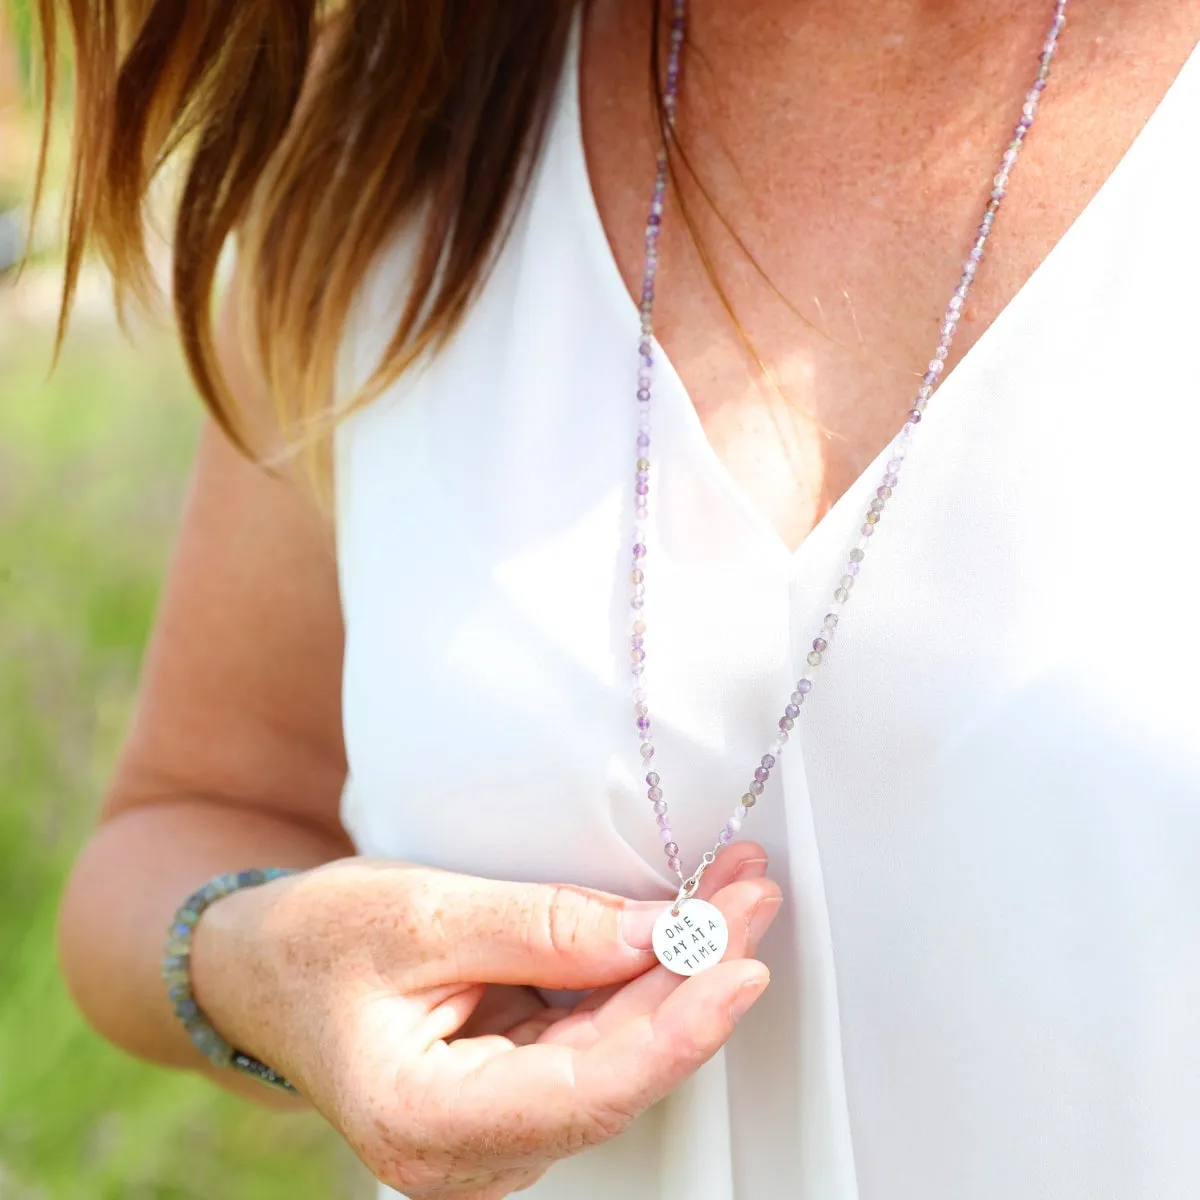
416 102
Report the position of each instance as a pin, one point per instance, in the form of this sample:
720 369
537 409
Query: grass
92 465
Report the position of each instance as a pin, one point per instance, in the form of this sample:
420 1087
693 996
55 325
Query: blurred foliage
92 467
91 471
20 22
20 15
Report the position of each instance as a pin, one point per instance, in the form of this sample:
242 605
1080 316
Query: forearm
128 882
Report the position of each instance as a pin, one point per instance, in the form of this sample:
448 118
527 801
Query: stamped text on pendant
693 940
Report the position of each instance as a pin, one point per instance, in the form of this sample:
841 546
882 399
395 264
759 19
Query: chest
828 202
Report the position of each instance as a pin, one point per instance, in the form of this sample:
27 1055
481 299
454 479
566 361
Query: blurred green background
93 461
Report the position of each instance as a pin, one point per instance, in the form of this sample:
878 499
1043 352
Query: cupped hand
402 1005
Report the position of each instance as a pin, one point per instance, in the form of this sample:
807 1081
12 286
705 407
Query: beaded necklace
691 935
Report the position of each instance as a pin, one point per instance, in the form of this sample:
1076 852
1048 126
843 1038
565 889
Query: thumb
545 935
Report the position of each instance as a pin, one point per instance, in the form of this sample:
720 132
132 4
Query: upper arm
240 698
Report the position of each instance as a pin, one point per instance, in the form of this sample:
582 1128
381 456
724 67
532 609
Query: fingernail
746 996
764 912
637 922
752 868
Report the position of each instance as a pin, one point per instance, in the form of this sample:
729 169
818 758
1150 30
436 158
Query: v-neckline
670 382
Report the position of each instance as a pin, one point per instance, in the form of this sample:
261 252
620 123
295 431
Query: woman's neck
881 44
847 161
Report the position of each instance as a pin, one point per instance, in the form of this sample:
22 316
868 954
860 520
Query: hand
370 990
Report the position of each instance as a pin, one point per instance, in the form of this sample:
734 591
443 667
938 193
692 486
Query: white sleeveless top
986 977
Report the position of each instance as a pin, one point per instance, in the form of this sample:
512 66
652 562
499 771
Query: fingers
749 907
567 1099
555 936
742 860
639 1061
509 1183
467 1112
545 935
487 1104
501 1009
495 1186
504 1184
687 1020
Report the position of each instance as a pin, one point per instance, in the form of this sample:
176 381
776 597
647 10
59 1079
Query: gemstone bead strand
637 575
898 451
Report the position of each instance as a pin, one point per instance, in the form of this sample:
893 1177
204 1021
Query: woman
983 821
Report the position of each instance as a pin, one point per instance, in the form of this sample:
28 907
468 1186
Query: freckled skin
851 147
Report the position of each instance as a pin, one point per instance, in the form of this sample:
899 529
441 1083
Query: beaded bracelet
176 971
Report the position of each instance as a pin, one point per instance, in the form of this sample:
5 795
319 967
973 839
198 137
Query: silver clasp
687 889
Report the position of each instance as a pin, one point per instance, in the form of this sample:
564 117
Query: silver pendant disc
694 940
